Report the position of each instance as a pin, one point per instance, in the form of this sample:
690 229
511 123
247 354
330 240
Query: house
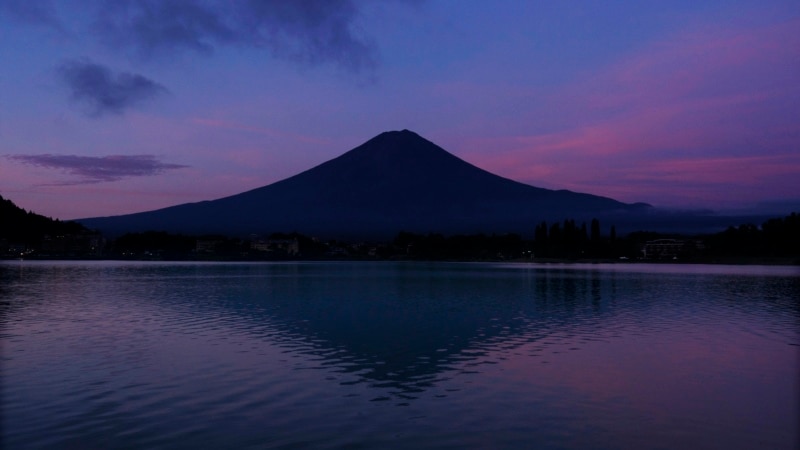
207 245
289 247
663 248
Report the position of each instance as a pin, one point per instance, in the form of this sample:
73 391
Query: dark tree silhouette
18 225
595 230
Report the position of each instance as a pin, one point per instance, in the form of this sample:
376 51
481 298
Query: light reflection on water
377 355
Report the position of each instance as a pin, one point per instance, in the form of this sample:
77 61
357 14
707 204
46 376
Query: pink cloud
703 115
719 182
696 64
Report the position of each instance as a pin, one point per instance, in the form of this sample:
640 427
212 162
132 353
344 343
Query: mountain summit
395 181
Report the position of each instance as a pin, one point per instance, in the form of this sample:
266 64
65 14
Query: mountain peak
393 147
390 139
404 133
395 181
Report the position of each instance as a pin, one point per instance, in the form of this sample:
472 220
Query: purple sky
123 106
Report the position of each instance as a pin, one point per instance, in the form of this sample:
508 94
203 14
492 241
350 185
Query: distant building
671 248
207 246
80 245
259 245
662 248
15 249
290 247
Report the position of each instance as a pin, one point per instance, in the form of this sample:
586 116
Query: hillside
18 225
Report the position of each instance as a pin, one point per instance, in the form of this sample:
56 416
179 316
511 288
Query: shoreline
728 261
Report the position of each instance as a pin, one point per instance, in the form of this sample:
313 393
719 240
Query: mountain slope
395 181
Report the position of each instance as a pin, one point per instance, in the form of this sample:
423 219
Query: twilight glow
123 106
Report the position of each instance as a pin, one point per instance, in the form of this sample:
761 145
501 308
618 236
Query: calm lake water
399 355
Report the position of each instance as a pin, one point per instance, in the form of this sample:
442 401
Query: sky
121 106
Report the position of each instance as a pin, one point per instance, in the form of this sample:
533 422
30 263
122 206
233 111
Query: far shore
737 260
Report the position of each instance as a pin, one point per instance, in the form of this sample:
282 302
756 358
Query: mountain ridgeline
396 181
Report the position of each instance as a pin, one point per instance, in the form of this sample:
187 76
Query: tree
595 236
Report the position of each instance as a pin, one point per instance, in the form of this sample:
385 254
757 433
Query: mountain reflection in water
293 354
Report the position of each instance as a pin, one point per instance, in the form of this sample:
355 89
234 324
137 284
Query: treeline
566 240
778 237
163 245
151 244
559 240
569 240
572 241
459 247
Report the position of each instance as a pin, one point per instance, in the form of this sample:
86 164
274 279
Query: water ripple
394 356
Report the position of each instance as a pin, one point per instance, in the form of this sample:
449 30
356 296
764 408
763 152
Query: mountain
395 181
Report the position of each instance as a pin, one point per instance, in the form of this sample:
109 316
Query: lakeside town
26 235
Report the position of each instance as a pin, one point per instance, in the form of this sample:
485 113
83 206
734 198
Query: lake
399 355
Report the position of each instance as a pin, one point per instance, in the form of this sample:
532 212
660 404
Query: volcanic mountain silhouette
396 181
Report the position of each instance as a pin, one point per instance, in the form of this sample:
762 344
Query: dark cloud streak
305 32
152 27
38 12
302 31
308 31
97 169
101 91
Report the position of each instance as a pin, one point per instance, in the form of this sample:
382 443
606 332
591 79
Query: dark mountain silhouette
395 181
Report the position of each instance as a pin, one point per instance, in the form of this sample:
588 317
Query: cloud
304 32
704 115
308 32
162 26
97 169
101 91
40 12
